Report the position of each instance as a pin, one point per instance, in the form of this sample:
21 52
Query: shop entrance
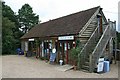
64 51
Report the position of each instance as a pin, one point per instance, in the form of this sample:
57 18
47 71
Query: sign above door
66 38
31 39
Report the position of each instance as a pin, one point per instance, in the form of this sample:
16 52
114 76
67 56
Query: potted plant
74 56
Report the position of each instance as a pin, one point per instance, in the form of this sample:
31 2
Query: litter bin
100 65
19 51
106 67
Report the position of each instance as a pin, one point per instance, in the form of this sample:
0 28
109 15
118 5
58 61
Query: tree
8 40
10 30
9 13
27 18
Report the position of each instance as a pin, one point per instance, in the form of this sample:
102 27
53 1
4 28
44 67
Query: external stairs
93 45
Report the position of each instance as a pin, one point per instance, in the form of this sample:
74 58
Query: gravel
18 66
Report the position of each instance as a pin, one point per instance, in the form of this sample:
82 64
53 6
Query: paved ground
15 66
0 67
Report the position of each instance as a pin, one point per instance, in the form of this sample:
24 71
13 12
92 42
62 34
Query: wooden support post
110 48
90 64
115 42
67 52
115 50
36 49
63 53
58 57
79 62
23 45
48 49
42 48
26 46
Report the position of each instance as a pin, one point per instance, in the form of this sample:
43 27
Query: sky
119 17
51 9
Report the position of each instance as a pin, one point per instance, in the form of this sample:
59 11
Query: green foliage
74 53
10 30
11 24
8 13
77 43
27 18
8 40
37 42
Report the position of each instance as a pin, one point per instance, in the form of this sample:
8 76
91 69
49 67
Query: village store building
88 29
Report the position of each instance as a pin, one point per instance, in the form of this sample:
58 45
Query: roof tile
66 25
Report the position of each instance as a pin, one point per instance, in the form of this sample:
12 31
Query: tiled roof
66 25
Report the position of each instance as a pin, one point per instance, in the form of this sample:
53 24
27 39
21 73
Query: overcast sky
51 9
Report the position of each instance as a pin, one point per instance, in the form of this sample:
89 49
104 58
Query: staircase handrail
100 47
89 39
88 45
